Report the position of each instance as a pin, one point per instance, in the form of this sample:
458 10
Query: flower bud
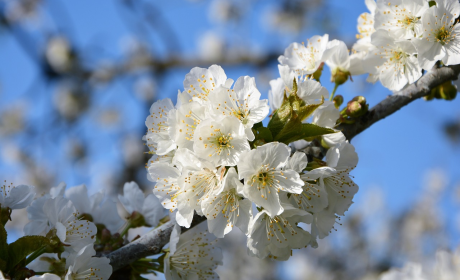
338 101
355 109
360 99
339 77
447 91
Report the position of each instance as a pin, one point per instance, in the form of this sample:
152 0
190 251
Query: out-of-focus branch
394 102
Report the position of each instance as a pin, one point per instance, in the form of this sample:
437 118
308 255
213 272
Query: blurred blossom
70 101
285 21
224 10
11 152
211 46
23 11
436 180
108 117
59 54
12 118
136 51
75 149
145 88
133 149
104 73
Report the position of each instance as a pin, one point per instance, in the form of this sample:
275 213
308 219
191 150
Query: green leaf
257 125
3 248
296 130
305 111
279 118
432 3
263 133
23 247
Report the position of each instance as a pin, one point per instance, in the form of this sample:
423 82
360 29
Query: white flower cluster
208 159
396 40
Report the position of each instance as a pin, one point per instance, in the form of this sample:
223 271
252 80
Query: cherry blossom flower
221 141
16 197
440 40
277 236
264 177
305 59
228 208
242 102
191 256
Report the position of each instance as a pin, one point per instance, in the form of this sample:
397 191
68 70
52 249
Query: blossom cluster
396 41
213 157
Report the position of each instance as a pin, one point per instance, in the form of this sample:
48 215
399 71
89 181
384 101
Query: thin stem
125 230
35 255
333 92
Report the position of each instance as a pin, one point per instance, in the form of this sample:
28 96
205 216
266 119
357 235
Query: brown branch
149 244
153 242
394 102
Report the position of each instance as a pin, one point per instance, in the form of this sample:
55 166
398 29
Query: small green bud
339 77
360 99
447 91
338 101
355 109
324 144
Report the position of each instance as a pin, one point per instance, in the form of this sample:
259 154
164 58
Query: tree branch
153 242
394 102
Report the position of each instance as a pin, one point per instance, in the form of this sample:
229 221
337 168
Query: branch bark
394 102
153 242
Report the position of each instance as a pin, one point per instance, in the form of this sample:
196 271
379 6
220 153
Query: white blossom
313 197
401 17
440 40
158 127
340 61
16 197
60 214
102 210
305 59
46 276
200 82
166 187
199 180
277 236
263 174
340 159
242 102
310 91
221 141
191 256
398 66
228 208
83 265
133 200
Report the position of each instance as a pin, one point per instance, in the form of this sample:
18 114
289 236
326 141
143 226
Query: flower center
443 35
